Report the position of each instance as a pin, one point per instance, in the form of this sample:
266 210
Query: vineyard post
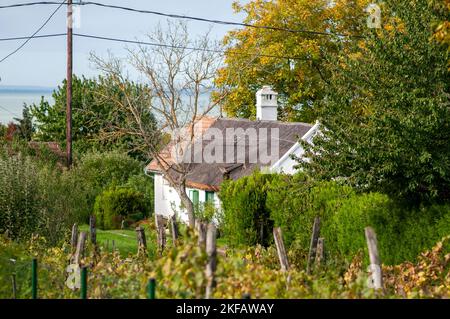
142 242
14 285
162 238
375 264
80 248
83 282
34 278
313 244
92 230
151 288
278 237
201 229
320 253
157 227
174 229
113 245
212 259
74 237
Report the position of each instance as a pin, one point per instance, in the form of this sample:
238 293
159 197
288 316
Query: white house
248 148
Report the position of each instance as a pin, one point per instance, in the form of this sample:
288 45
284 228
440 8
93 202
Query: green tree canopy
95 115
386 114
292 62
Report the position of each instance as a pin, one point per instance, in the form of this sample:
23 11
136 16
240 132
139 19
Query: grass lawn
124 240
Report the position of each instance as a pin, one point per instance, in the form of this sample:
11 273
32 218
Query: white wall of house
167 201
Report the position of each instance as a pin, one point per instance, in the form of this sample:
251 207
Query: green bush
114 205
37 199
246 219
294 202
145 185
402 232
99 171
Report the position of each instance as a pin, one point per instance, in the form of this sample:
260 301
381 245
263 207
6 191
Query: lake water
13 99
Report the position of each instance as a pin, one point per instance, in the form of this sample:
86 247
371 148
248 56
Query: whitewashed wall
286 164
167 199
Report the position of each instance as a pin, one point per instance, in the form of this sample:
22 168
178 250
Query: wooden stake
313 244
201 229
14 286
320 251
278 237
174 229
74 237
92 230
142 242
212 259
375 264
80 248
162 239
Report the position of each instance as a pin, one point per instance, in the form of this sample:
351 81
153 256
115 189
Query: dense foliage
246 218
119 204
386 116
179 273
292 62
292 203
37 195
95 115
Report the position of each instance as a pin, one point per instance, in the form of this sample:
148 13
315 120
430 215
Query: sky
42 62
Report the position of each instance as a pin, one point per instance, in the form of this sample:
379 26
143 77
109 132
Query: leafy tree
386 115
25 125
300 81
95 115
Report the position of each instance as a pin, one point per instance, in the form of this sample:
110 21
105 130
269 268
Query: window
209 196
193 195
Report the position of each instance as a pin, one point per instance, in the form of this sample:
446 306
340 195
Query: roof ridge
263 121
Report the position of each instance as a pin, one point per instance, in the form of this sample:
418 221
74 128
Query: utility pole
69 84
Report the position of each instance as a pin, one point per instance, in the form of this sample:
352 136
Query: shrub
98 171
401 232
104 169
246 219
145 185
114 205
294 202
35 199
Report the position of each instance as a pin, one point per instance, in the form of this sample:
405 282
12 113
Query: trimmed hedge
292 202
117 204
246 219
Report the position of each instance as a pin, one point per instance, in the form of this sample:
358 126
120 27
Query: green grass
125 240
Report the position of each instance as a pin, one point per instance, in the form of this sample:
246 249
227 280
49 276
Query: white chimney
266 104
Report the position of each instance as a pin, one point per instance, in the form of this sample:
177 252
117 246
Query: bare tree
177 78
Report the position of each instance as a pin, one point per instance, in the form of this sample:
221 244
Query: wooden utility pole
69 84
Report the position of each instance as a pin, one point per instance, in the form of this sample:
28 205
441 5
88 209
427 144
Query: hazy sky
42 62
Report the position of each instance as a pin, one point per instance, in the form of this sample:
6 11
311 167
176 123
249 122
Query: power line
35 37
5 109
36 32
177 16
156 45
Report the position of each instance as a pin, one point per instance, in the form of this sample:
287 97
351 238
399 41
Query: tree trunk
188 205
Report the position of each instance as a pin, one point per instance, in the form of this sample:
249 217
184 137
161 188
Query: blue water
12 100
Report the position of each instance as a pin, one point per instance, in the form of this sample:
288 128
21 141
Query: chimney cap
266 89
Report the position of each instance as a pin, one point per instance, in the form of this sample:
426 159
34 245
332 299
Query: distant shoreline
25 89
